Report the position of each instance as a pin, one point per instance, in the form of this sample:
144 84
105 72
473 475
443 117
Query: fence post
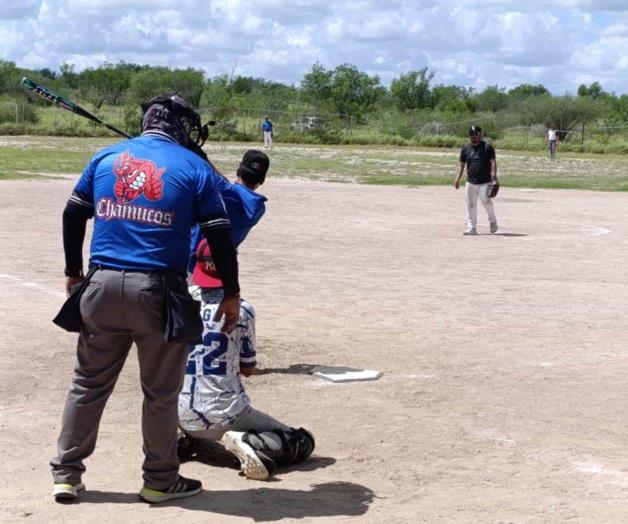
582 141
437 129
244 122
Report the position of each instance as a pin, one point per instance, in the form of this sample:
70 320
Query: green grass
382 165
23 176
22 157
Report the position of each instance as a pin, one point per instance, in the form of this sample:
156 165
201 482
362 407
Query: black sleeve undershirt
74 221
225 258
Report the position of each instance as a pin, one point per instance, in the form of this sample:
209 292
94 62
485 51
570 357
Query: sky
558 43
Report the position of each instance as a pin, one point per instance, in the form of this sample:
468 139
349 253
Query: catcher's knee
284 447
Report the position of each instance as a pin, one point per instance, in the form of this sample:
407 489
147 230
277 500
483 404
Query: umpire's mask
174 116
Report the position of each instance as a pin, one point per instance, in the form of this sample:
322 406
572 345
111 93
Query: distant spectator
551 138
267 128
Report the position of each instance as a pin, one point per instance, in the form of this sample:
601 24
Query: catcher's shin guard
285 447
306 444
185 448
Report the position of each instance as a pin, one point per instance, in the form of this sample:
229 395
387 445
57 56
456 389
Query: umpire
144 194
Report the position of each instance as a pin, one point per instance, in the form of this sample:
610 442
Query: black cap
255 162
474 130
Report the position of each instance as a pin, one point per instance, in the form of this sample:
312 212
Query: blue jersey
267 125
146 194
244 207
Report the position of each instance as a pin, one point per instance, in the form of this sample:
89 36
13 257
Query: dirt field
504 359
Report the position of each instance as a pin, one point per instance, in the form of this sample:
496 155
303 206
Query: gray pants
119 308
249 420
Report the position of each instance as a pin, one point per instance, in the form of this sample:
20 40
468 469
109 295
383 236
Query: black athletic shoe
180 489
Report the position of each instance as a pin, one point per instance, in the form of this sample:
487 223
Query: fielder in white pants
473 192
478 158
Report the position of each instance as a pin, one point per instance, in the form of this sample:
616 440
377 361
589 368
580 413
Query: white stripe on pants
473 192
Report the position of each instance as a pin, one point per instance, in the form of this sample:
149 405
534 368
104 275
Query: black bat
67 104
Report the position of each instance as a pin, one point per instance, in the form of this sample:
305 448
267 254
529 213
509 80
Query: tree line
343 90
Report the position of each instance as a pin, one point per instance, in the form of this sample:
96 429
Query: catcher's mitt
493 190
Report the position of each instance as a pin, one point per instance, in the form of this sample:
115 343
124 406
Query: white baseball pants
473 192
268 139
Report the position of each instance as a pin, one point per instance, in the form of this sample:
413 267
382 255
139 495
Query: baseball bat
67 104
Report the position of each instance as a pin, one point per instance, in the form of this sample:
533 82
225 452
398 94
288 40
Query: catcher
213 405
479 159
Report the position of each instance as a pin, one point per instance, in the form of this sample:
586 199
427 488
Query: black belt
164 272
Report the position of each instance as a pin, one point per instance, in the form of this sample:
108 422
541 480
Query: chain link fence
303 125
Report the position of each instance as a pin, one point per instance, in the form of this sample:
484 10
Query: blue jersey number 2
219 343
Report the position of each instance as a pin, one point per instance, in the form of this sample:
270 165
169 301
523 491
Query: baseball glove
493 190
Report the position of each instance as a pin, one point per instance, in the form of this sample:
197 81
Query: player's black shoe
180 489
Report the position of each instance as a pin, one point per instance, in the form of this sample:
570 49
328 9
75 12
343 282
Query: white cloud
499 42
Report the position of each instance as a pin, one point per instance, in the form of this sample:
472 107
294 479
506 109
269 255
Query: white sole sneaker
494 227
64 492
470 232
251 465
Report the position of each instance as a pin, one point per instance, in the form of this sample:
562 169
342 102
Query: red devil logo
136 177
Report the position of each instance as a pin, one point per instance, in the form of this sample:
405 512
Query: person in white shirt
551 138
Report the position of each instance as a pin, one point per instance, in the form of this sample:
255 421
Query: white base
342 374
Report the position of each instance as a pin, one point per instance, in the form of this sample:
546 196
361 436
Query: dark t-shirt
478 159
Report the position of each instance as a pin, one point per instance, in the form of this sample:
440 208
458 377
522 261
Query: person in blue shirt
267 130
144 195
244 206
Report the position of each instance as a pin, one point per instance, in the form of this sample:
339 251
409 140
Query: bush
132 119
235 136
618 148
8 113
440 141
17 113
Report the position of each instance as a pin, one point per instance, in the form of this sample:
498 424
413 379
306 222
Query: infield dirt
504 360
